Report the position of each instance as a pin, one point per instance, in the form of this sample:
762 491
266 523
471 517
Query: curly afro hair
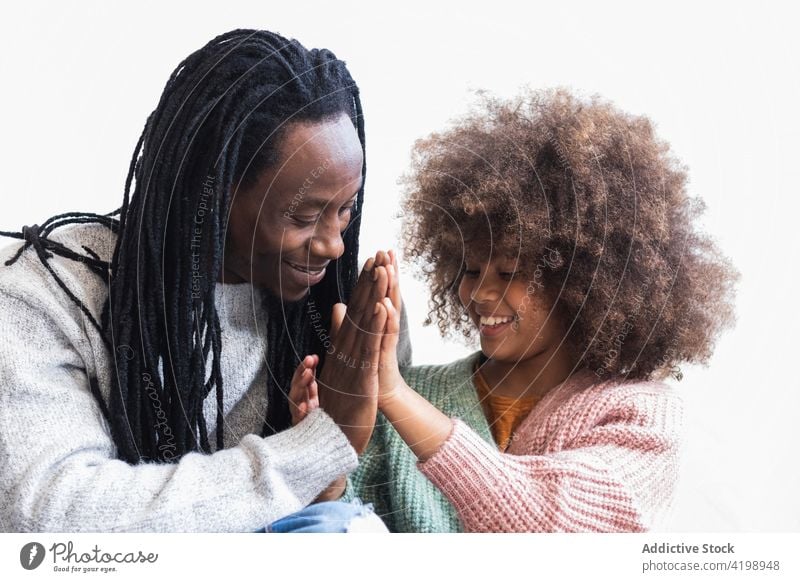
596 209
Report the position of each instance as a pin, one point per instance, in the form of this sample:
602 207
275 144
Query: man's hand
348 384
334 491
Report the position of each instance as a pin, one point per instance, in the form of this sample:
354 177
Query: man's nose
327 241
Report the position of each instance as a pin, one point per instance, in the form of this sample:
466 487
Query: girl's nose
485 289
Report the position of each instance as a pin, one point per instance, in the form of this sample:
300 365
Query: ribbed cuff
308 457
464 468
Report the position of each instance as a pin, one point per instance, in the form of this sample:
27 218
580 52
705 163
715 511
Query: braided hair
216 127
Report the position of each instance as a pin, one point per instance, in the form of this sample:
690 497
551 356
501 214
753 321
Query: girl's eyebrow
472 258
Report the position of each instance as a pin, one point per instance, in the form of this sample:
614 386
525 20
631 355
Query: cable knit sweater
58 465
590 457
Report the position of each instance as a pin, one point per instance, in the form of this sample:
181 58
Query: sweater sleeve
58 465
618 476
370 481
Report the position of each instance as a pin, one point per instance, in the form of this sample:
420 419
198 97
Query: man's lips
309 274
312 269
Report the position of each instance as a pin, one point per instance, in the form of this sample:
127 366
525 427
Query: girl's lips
306 277
494 330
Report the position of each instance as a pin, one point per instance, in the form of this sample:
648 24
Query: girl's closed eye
471 273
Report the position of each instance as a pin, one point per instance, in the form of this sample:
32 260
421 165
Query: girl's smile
494 326
521 334
498 304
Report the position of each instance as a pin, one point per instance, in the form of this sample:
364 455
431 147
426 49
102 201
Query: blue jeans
329 517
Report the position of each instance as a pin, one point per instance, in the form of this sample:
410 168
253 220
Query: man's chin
286 293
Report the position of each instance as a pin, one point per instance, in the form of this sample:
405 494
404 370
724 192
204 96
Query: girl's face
511 312
285 229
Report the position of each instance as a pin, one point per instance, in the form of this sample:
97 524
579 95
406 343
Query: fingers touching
303 393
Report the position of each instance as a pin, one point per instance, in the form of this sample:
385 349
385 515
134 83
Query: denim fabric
328 517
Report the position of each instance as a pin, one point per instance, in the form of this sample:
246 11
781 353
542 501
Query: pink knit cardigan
591 457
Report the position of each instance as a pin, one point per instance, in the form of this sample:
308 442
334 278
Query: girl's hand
303 394
389 261
390 381
303 398
389 378
419 423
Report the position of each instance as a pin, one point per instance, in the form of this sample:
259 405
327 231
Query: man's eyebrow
320 202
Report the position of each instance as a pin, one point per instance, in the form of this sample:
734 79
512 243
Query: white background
720 81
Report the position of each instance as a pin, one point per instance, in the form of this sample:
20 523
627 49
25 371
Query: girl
559 231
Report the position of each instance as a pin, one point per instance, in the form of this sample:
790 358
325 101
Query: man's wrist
334 491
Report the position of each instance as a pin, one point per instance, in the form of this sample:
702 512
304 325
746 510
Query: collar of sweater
455 391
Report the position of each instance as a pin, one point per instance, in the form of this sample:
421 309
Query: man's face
285 229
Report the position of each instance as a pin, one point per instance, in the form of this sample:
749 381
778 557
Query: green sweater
596 456
387 475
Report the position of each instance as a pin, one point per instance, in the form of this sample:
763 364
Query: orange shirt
503 412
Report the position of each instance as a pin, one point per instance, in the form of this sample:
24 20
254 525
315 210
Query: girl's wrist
391 399
419 423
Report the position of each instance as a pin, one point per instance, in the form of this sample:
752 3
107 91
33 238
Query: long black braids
217 125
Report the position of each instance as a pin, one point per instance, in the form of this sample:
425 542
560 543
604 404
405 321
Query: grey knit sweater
58 465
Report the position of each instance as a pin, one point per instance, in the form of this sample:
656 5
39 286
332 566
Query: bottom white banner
351 557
